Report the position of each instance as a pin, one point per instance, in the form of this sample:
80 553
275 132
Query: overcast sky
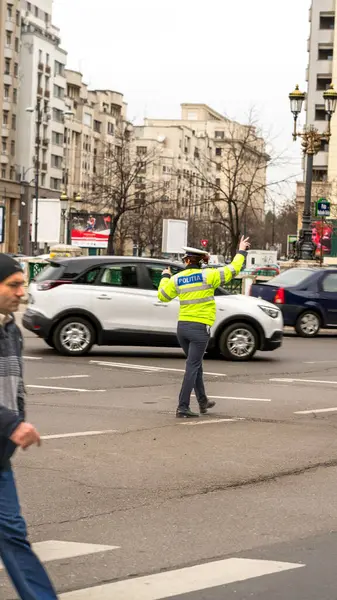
232 55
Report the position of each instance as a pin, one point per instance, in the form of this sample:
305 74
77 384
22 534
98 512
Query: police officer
195 288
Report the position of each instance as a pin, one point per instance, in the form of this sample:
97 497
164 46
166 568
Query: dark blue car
307 298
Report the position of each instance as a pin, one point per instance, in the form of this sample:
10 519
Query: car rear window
290 278
52 272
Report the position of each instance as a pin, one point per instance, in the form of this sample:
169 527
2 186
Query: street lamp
39 115
311 144
65 214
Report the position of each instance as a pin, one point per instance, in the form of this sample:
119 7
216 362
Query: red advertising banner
90 230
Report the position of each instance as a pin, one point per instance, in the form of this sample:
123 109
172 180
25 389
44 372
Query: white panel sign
174 236
49 220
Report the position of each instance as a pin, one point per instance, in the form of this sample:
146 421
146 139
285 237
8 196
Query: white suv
75 303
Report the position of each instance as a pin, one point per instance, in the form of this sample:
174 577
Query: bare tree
147 227
122 181
236 177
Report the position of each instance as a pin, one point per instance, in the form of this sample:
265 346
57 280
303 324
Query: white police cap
194 251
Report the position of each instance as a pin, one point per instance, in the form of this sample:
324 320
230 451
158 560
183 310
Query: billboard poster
322 234
90 230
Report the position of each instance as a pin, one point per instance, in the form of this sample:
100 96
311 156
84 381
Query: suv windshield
290 278
51 272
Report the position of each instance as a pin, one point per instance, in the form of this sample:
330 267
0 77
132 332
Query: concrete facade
10 190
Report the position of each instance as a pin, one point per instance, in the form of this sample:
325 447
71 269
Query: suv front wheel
238 342
74 336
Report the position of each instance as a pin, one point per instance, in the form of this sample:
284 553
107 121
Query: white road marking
316 362
62 389
315 410
32 357
146 367
66 377
182 581
59 436
56 550
209 422
238 398
284 380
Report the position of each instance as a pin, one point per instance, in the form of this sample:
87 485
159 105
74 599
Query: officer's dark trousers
193 338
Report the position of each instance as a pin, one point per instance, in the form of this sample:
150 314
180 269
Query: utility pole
37 173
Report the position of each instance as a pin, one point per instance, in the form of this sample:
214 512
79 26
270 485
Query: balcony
39 91
8 79
37 141
4 131
40 67
8 52
4 157
44 167
47 94
45 142
48 69
9 24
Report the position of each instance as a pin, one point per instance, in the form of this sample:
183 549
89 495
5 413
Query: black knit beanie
8 266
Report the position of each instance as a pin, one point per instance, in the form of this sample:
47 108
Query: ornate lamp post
311 143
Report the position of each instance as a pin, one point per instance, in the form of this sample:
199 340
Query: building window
47 59
40 56
320 174
14 122
87 120
320 114
15 96
111 128
5 115
326 21
325 52
7 66
6 92
57 138
58 115
141 150
9 12
55 184
29 7
4 145
16 70
43 180
97 126
323 82
219 135
218 167
36 11
8 38
218 151
324 146
58 69
12 148
3 172
58 91
18 18
46 17
56 161
17 44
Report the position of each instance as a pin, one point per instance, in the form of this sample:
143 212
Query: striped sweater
11 386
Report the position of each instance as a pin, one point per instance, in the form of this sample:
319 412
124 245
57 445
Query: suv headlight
271 312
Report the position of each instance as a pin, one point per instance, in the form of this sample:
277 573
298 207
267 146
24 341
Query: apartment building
193 157
92 119
42 92
10 29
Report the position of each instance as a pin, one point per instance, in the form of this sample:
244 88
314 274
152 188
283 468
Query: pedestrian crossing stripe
57 550
182 581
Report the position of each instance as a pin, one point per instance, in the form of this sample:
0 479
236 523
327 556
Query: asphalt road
125 502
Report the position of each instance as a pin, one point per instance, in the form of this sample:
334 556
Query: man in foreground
23 567
195 288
